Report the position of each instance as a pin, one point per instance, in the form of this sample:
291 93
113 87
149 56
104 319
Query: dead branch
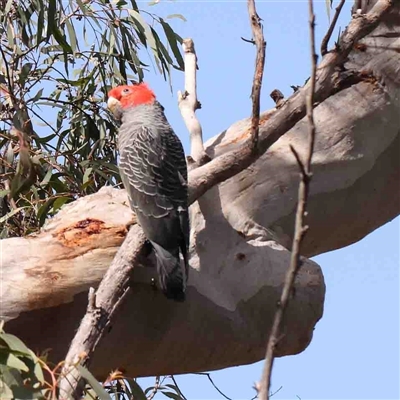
327 37
300 228
258 37
188 104
102 306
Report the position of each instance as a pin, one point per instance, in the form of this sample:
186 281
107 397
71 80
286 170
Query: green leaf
36 97
46 139
143 24
10 36
78 83
134 5
172 395
47 178
43 211
59 202
37 369
10 214
111 41
10 360
40 25
10 155
25 70
59 37
173 42
86 175
5 391
72 35
51 17
180 16
4 193
12 341
173 387
136 390
100 391
51 49
8 6
52 104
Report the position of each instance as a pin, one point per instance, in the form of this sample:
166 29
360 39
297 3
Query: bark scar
82 232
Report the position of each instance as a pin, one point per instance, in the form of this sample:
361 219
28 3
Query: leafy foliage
58 59
23 375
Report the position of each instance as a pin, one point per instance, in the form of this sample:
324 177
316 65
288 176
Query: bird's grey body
153 170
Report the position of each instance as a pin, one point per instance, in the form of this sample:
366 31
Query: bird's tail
171 274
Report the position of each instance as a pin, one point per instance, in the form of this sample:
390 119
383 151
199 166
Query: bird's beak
113 104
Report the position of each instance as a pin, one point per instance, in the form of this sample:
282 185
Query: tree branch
300 228
327 37
258 37
188 104
201 179
276 124
102 306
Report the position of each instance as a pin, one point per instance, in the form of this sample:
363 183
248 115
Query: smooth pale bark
237 265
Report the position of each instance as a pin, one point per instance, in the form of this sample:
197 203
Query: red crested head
126 96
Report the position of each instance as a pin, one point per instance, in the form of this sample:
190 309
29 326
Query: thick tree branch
300 227
203 178
273 126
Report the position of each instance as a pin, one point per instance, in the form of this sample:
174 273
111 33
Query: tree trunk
240 234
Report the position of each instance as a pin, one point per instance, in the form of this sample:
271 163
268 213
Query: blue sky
355 350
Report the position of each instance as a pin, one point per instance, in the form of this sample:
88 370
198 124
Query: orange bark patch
360 47
82 232
368 76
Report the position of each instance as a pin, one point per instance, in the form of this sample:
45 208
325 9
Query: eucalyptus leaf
14 343
12 361
180 16
69 54
100 391
136 390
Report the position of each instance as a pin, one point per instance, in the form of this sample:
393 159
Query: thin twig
258 37
155 388
180 391
9 80
300 228
215 386
327 37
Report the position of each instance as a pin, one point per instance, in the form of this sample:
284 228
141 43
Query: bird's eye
126 91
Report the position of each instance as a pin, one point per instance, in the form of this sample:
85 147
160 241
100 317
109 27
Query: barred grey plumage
153 170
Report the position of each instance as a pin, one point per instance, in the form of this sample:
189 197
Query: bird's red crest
133 95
